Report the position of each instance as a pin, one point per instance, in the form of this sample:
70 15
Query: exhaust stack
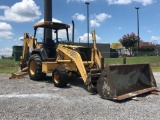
47 17
72 32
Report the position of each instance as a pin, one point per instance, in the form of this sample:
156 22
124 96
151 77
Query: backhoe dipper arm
27 43
96 55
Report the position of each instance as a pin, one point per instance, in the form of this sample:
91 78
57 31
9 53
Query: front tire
60 77
35 68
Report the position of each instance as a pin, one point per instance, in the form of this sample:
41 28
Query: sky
110 18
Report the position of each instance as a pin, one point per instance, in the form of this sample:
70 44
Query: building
120 49
103 47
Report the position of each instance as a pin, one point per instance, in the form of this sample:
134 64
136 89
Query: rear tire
35 68
60 77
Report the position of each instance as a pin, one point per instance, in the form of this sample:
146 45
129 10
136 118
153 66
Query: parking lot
24 99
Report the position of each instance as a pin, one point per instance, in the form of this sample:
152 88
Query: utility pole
87 3
137 8
79 40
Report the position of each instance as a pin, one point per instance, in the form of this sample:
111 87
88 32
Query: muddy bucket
119 82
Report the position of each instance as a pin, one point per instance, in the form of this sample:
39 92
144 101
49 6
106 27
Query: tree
129 40
2 57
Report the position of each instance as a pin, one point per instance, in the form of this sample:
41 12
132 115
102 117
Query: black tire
35 68
60 77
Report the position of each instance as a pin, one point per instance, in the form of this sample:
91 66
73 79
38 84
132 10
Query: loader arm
76 58
88 69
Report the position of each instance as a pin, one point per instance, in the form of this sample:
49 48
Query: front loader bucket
119 82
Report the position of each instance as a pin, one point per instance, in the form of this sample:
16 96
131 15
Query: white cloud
97 19
5 31
149 31
4 7
56 20
79 17
6 51
84 37
53 20
62 33
4 26
94 23
24 11
21 38
119 1
6 34
155 38
102 17
119 28
80 1
143 2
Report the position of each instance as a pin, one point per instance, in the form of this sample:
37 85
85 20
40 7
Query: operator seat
50 48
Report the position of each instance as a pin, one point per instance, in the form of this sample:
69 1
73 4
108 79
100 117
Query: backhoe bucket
119 82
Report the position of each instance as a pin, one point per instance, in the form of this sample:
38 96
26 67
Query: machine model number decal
73 54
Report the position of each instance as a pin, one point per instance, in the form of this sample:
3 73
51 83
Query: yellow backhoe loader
65 60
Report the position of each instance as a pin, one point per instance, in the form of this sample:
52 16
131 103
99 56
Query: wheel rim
56 77
32 67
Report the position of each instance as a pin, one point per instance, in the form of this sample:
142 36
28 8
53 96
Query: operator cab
59 33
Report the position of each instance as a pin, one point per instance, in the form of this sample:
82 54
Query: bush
129 40
147 49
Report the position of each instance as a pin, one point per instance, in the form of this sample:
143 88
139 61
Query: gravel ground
24 99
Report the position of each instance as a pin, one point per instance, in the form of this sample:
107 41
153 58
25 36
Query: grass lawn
11 66
8 66
154 61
